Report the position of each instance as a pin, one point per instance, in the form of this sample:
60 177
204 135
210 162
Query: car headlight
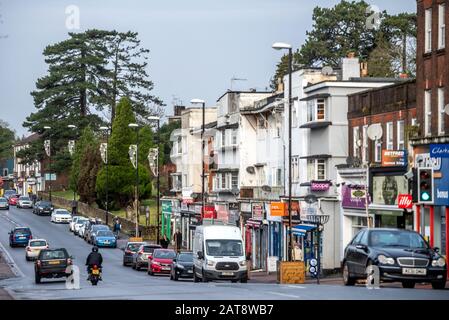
440 262
40 208
385 260
242 263
180 266
210 263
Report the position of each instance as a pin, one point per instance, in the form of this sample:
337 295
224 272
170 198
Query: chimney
364 69
350 67
403 76
178 110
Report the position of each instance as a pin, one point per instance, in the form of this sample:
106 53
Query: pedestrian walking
178 240
248 264
74 207
164 242
117 227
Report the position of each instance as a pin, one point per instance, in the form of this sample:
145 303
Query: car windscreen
63 212
38 244
3 200
50 255
24 198
149 249
396 238
105 234
221 248
158 254
133 246
44 204
185 257
98 227
22 232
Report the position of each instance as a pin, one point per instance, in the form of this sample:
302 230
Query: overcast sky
196 46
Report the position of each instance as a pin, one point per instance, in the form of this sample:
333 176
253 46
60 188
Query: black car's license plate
414 271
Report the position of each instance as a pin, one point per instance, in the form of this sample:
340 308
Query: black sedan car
52 263
401 256
182 266
43 208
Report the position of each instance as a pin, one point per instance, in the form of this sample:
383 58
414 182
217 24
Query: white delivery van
218 254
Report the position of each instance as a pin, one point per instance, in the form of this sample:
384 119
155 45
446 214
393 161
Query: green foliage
86 140
87 177
121 177
7 139
380 62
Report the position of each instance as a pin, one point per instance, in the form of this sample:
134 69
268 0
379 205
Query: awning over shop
385 210
302 229
253 223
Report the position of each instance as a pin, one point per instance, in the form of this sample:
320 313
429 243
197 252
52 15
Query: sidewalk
263 277
5 273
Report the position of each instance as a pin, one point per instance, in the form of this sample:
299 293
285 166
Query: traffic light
425 185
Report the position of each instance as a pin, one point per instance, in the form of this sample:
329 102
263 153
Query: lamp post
134 157
47 145
154 118
104 156
199 101
285 46
71 146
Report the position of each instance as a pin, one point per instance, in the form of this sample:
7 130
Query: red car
13 200
161 261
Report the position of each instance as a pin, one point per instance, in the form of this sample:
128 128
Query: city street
124 283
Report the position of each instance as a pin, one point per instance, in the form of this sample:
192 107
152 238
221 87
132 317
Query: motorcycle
95 275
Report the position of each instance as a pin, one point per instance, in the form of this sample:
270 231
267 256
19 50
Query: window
400 139
316 169
223 180
295 114
223 138
378 151
179 145
427 113
316 110
356 141
276 177
234 137
390 136
365 144
441 113
295 169
441 26
428 31
234 180
184 180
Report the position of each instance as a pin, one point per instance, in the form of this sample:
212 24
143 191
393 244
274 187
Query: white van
218 254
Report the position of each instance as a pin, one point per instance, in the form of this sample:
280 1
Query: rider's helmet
95 249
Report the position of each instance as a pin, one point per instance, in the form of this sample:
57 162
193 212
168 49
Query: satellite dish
327 71
266 188
311 198
375 131
359 143
251 170
446 109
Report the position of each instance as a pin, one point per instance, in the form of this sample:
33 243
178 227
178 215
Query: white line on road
284 294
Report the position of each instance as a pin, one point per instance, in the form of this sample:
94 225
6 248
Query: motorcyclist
94 259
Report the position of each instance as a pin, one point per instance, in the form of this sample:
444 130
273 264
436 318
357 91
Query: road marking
295 287
15 268
284 294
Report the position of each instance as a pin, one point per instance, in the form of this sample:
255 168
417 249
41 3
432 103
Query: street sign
51 177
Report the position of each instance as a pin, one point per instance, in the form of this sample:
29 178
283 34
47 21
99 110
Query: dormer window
316 110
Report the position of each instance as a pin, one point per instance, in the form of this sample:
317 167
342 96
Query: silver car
24 202
4 203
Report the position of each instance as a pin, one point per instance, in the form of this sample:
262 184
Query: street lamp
199 101
104 157
134 157
155 118
71 146
47 146
286 46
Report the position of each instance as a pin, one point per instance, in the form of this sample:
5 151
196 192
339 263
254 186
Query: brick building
432 81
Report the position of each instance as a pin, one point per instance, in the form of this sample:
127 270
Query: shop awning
303 228
253 223
385 210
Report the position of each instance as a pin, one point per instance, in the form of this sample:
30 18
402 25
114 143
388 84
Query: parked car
141 256
4 204
90 223
51 263
129 251
182 266
161 261
92 232
12 199
43 208
78 225
24 202
218 254
105 238
34 247
9 193
61 216
20 236
74 221
401 256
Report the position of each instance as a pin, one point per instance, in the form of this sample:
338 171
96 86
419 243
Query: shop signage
353 197
278 209
257 210
405 201
439 150
394 158
222 212
320 186
167 207
386 189
245 207
209 212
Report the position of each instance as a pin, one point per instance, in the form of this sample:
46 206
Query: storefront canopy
302 229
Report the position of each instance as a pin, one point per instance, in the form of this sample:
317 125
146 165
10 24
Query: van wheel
205 278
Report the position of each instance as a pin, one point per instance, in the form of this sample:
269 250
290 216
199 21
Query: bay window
316 169
316 110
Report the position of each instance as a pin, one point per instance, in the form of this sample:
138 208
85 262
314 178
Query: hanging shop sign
257 210
222 212
394 158
320 186
387 188
354 197
278 209
439 150
209 212
405 201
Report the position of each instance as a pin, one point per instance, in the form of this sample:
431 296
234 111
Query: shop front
166 225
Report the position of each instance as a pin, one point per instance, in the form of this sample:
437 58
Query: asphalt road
124 283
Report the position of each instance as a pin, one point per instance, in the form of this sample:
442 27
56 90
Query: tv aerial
327 71
236 79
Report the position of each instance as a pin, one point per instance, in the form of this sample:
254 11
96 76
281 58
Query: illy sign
405 201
